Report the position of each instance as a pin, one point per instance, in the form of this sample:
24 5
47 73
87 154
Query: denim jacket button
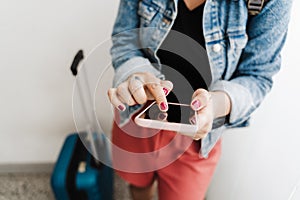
217 48
151 9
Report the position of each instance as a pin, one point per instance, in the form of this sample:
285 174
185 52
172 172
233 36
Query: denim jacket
243 51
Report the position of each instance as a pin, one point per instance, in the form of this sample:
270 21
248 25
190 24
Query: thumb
200 99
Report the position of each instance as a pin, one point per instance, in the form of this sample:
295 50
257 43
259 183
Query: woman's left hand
202 103
209 106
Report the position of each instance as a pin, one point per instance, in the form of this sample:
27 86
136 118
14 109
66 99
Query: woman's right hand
138 89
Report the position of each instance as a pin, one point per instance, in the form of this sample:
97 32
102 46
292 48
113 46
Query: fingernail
121 108
163 106
196 104
193 120
161 116
166 91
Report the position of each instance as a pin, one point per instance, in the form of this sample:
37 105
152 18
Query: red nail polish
120 107
163 106
196 104
162 116
193 120
165 91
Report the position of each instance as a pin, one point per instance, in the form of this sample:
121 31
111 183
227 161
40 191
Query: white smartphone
177 118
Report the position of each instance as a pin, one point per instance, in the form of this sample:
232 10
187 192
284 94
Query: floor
29 186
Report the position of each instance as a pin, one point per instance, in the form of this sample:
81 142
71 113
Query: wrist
221 103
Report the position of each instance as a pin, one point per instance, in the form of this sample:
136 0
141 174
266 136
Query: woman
243 53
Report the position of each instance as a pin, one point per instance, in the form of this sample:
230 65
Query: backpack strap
255 6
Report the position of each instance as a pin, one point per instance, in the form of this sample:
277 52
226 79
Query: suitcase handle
78 57
87 106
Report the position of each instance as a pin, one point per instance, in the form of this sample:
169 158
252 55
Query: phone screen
176 113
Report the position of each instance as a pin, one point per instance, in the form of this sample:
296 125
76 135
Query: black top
185 75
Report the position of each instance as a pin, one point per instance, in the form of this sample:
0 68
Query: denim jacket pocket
236 44
238 41
147 12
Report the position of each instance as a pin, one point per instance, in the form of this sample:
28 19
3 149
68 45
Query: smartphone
177 118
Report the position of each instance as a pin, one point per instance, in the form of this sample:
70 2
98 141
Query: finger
140 96
135 82
199 136
201 133
200 99
162 116
193 120
204 130
136 88
167 86
204 123
148 94
153 85
124 94
115 101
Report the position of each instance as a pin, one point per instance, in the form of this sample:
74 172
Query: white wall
262 162
38 41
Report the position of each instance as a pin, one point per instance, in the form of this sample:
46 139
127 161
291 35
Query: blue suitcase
77 174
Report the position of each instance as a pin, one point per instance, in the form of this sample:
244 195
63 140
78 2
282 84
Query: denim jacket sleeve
259 61
127 56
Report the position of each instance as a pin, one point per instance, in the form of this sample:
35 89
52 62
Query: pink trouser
176 165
